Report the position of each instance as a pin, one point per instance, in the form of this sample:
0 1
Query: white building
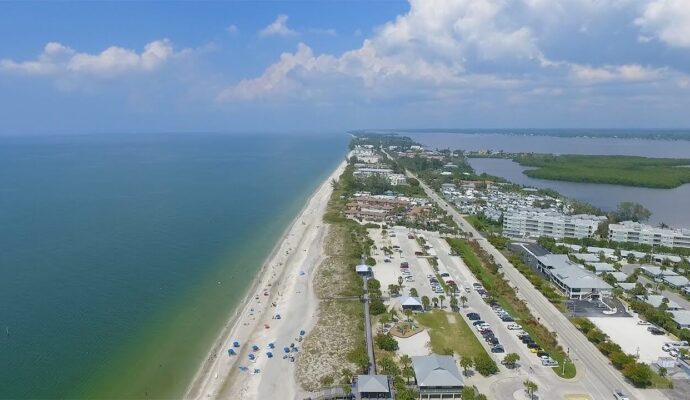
534 223
397 179
573 279
635 232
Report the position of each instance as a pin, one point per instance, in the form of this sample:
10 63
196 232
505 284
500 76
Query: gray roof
410 301
555 260
363 268
372 384
576 277
677 280
602 267
620 276
656 271
682 317
626 285
587 257
655 300
436 370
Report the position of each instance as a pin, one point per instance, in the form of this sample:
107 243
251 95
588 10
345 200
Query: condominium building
536 223
635 232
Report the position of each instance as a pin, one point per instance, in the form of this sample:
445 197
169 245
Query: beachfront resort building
373 387
437 377
635 232
536 223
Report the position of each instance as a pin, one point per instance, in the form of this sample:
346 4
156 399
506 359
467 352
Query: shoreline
213 375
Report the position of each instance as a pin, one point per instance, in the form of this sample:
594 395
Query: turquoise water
112 247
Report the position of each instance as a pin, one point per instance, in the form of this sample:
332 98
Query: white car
618 394
514 327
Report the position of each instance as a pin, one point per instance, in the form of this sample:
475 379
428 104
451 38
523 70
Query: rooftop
656 300
436 370
372 384
682 317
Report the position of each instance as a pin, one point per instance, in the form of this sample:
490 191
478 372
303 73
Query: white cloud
232 29
430 43
668 21
58 59
278 27
620 73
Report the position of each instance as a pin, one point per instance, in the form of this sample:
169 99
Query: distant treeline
654 134
617 170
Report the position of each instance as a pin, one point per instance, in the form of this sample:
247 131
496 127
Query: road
594 371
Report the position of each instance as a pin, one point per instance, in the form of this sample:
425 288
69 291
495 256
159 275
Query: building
397 179
573 279
620 276
411 303
373 387
536 223
681 318
437 377
657 272
587 257
676 281
635 232
601 267
374 208
656 300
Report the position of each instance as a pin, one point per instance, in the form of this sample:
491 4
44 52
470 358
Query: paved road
594 370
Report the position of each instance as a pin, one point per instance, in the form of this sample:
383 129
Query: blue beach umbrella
252 357
231 352
255 348
236 344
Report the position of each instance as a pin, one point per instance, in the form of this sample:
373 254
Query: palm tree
435 301
400 281
466 363
663 225
406 361
426 302
413 292
463 299
453 303
408 314
530 387
441 298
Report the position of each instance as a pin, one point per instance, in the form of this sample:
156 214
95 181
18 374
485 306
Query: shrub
485 365
386 342
639 374
377 307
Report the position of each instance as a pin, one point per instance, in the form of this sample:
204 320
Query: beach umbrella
271 345
301 333
286 349
236 344
252 357
231 352
269 354
255 348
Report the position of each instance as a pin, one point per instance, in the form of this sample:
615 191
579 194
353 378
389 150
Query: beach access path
283 287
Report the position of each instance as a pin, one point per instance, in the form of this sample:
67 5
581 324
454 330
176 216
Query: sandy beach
283 287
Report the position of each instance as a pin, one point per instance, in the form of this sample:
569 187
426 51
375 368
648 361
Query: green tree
386 342
662 372
407 371
426 302
393 289
530 387
413 292
631 211
454 303
370 261
463 299
435 301
440 299
639 374
466 363
485 365
511 359
388 366
408 314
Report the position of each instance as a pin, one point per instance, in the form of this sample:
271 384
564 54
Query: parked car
473 316
543 354
445 275
514 327
643 323
655 331
492 340
618 395
498 349
478 322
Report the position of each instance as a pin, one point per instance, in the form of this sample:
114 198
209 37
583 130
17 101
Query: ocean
122 256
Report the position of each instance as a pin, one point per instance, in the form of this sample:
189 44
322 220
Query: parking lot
633 338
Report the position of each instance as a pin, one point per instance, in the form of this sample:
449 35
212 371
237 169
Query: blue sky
333 65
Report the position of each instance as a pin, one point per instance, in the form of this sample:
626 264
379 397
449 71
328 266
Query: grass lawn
617 170
445 335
